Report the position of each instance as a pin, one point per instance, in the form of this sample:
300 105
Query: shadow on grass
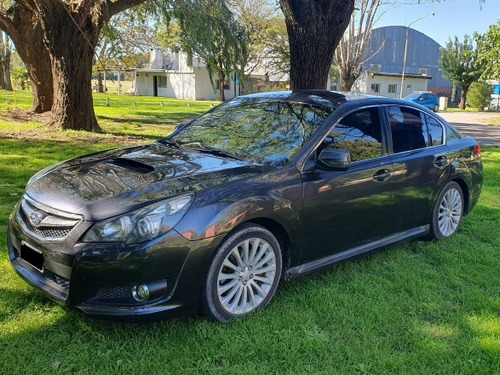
167 119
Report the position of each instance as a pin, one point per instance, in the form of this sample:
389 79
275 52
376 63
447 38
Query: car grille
47 232
113 293
45 223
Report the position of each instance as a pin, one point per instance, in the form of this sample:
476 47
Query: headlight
141 225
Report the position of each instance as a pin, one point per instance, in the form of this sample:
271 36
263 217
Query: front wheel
436 108
448 212
243 275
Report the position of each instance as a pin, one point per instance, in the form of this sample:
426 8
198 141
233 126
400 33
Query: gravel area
475 124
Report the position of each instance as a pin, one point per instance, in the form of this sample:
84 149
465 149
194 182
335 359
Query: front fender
220 219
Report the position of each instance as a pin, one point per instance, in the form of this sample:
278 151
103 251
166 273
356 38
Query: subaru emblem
36 217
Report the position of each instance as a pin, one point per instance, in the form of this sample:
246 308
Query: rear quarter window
435 131
452 134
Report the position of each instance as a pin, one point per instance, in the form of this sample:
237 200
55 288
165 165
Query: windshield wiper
217 152
170 143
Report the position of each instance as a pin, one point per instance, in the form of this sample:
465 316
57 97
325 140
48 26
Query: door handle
440 161
382 175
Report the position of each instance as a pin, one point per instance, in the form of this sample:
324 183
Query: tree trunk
222 94
347 81
22 27
100 86
314 30
71 67
69 30
463 97
5 51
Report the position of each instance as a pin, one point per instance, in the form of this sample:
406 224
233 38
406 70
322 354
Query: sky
452 17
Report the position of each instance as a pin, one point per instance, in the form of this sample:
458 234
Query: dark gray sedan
261 188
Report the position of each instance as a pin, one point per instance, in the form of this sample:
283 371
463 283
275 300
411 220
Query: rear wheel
448 212
436 108
243 275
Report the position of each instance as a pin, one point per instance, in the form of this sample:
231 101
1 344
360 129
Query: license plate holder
32 256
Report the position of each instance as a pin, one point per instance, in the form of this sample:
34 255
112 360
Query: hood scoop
131 165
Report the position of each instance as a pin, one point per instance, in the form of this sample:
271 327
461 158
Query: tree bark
347 81
222 93
71 67
69 30
463 97
24 30
314 31
5 51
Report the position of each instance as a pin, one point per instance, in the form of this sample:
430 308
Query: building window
162 82
375 67
422 71
375 88
391 88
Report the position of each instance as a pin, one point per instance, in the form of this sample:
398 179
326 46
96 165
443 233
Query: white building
388 84
178 76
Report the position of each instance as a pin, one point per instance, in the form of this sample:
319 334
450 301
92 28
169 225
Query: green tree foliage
21 78
460 64
266 36
479 95
125 41
169 35
489 51
210 30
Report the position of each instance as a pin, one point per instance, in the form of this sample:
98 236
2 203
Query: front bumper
98 278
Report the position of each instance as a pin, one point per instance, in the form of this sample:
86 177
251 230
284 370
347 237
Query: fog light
140 292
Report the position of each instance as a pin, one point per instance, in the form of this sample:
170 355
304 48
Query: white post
119 84
406 52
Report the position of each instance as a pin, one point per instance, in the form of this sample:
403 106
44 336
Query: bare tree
350 54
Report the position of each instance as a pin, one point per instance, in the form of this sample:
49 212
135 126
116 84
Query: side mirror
334 160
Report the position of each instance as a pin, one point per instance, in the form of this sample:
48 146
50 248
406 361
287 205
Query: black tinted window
360 134
435 130
452 134
407 128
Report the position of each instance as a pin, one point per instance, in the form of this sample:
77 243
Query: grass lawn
418 308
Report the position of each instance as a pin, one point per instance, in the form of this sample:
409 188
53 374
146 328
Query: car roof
312 97
332 99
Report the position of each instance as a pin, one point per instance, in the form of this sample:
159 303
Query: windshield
266 131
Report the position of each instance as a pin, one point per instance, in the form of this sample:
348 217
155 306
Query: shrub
479 95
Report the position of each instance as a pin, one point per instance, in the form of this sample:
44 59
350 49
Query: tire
436 108
448 212
243 275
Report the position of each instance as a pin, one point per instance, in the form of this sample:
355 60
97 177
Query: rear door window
408 129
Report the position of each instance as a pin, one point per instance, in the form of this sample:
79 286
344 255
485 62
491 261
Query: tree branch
118 6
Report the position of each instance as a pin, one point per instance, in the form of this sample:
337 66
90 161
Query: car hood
109 183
